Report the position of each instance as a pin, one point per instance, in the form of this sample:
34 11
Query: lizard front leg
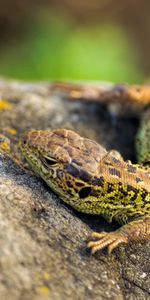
134 231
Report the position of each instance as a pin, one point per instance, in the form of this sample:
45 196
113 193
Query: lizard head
66 161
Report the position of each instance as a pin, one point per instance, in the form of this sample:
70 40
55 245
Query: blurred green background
102 40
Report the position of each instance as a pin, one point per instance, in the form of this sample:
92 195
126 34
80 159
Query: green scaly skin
95 181
143 140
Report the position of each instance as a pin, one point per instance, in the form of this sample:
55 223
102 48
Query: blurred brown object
137 96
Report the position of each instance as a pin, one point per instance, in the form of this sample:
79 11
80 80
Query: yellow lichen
44 290
12 131
47 276
4 146
4 105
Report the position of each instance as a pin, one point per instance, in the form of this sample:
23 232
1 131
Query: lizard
96 181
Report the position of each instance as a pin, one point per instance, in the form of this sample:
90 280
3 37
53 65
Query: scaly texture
93 181
143 140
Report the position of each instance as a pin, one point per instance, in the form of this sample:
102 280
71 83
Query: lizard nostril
24 142
24 139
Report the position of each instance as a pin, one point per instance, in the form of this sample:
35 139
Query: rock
43 252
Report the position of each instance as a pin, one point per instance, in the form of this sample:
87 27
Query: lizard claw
105 239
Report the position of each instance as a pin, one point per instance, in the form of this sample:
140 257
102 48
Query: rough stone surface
43 251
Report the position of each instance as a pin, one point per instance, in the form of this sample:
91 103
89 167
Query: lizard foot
107 239
137 230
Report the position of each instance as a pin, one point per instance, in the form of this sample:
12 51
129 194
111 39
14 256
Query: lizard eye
48 161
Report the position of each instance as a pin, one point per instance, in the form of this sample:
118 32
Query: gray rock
43 251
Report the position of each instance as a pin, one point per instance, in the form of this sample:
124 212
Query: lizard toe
110 240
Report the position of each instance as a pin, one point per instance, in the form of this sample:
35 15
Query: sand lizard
95 181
